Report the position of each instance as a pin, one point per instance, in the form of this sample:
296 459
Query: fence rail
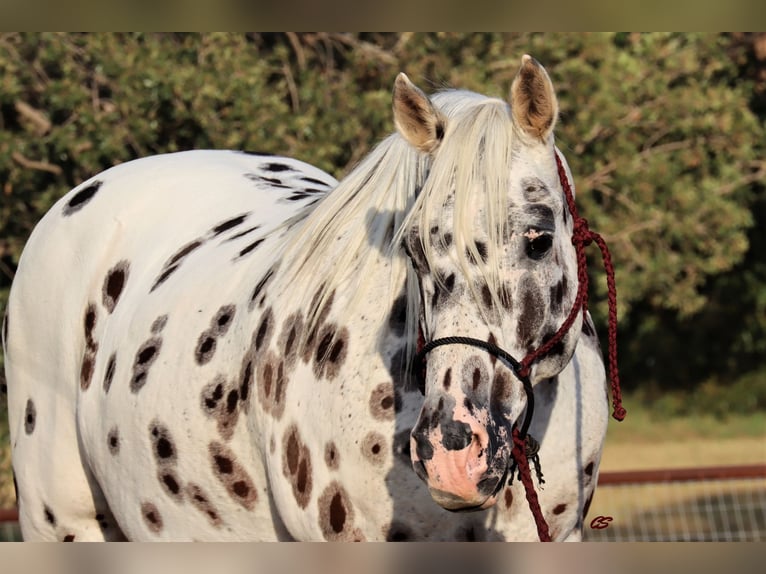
681 504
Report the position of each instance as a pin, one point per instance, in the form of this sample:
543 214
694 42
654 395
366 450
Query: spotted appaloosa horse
216 345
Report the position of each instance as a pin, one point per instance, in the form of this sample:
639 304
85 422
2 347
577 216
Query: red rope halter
582 236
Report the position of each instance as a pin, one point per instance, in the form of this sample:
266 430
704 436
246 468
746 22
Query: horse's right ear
415 117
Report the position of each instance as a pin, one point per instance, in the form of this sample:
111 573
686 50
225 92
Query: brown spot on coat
232 475
201 502
374 448
296 465
145 357
336 515
272 385
111 367
113 441
114 284
331 456
384 402
152 517
30 417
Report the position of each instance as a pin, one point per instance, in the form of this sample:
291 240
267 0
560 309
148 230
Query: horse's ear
415 117
533 100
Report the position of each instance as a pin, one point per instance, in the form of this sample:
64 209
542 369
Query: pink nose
453 461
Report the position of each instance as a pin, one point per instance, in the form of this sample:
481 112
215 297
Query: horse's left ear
533 101
415 117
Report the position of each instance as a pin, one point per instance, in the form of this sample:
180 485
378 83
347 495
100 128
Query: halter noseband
524 445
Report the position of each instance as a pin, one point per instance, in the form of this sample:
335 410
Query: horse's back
130 235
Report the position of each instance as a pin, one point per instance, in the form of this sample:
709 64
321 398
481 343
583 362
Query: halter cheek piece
524 446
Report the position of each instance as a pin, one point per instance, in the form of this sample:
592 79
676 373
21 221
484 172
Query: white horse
214 345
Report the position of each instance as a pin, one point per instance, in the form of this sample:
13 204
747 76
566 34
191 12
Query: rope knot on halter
581 234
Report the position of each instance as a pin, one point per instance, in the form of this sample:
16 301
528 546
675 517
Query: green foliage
658 129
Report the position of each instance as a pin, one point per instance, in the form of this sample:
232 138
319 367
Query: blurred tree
659 130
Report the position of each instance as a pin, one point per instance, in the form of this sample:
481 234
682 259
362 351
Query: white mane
396 187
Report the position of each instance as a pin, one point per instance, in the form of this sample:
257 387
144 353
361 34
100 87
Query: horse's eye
538 244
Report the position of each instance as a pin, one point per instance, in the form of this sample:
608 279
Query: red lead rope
582 236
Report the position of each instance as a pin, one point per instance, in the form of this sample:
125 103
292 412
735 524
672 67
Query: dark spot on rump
175 261
114 284
201 502
162 442
86 370
245 250
221 322
30 417
81 197
223 464
277 167
111 366
272 384
89 322
211 394
145 356
68 538
228 224
205 348
232 475
159 324
170 483
558 509
152 516
113 441
183 252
